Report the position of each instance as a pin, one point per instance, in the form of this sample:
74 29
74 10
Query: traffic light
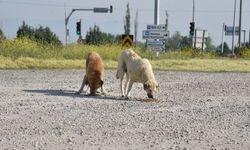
111 9
78 28
192 27
225 27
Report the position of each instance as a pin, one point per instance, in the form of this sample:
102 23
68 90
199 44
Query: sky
209 15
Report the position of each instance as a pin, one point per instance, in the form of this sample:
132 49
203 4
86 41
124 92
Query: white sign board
148 34
161 27
199 46
199 33
229 30
156 48
155 43
200 38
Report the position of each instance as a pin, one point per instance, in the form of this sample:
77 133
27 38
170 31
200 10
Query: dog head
150 87
94 86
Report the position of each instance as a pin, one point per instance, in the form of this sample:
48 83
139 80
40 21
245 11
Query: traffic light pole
95 10
193 36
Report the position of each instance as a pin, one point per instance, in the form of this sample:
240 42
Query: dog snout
150 95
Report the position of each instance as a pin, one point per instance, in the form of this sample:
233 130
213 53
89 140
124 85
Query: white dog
136 70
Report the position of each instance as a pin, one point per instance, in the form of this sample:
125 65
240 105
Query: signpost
156 36
152 27
200 38
127 40
230 29
157 45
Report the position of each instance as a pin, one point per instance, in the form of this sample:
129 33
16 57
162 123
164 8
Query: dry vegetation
26 54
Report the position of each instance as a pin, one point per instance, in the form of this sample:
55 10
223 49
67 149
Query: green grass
26 54
204 65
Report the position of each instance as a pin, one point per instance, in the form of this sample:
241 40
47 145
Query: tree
136 25
166 21
46 36
93 36
226 49
127 21
25 31
209 44
248 45
40 35
96 36
185 42
176 41
2 36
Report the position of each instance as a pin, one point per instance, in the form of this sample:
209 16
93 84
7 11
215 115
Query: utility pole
249 38
136 26
157 6
222 43
66 30
233 28
193 36
240 24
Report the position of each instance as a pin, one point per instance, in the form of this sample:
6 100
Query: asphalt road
38 110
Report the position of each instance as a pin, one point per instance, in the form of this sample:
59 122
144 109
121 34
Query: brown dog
94 74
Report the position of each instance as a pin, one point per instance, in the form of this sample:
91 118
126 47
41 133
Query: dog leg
129 88
121 80
103 91
82 86
126 83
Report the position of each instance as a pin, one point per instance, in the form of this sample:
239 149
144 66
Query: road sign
155 43
150 34
229 30
127 40
161 27
200 38
199 33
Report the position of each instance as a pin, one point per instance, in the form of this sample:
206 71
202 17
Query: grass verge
203 65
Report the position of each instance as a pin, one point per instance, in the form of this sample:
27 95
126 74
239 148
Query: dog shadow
71 93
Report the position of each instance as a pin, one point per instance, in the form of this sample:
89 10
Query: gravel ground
38 110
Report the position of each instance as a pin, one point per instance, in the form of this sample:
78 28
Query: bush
25 47
245 52
41 34
2 36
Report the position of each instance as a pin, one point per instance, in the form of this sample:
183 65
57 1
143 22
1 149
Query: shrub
245 52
